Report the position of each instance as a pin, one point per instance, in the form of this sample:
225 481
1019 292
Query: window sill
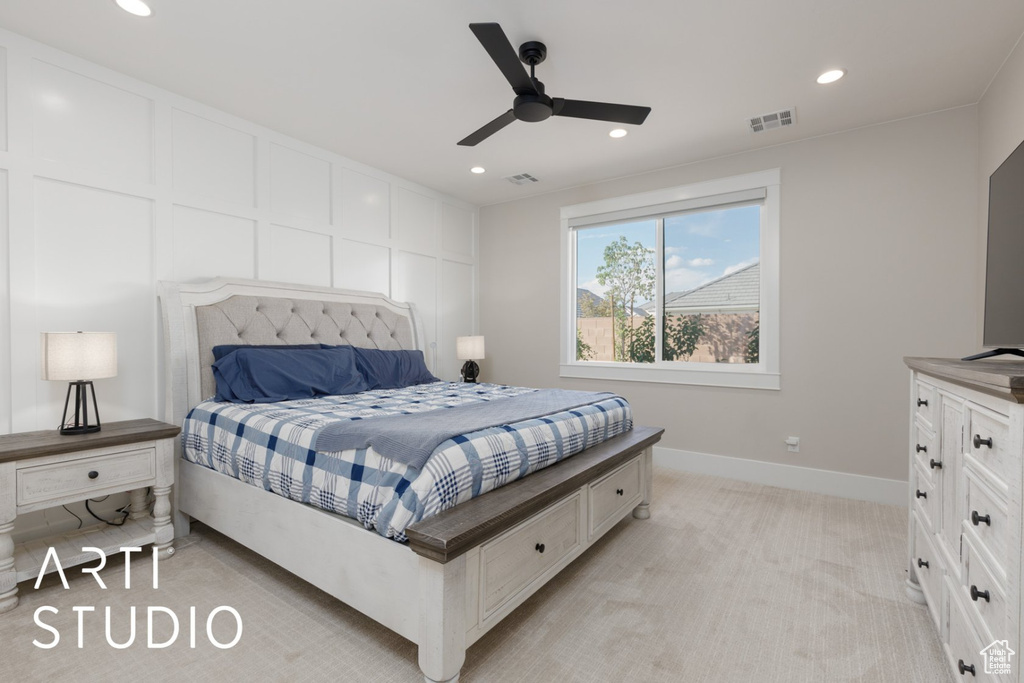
713 376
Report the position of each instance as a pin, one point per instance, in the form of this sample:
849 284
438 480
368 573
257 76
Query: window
677 285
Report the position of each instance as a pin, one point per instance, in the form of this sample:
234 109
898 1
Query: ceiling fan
531 104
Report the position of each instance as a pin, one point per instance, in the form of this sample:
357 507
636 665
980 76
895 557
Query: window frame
722 192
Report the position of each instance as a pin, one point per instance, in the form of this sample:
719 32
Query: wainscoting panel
415 279
365 205
300 185
213 160
358 265
457 295
417 220
457 230
88 124
212 244
299 256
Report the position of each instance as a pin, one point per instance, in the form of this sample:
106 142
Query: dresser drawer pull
921 494
922 563
979 442
539 548
922 449
93 474
964 668
977 519
975 594
618 492
922 402
935 464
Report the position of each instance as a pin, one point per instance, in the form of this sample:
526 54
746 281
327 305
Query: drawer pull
922 402
618 492
979 442
975 594
921 494
935 464
922 449
539 547
964 668
93 474
922 563
977 519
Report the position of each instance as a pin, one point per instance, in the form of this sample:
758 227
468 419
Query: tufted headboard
197 317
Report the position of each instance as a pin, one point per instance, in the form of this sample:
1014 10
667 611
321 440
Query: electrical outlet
793 444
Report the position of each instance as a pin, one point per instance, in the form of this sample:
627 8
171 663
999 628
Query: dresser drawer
926 452
511 562
924 403
988 441
928 568
964 646
926 501
986 517
991 612
612 495
78 479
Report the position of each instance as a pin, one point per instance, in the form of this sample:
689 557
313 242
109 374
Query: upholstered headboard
199 316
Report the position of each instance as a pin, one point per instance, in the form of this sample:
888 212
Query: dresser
46 469
964 537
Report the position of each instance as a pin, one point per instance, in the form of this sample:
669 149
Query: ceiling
396 83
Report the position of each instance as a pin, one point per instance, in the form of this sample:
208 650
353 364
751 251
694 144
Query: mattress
268 445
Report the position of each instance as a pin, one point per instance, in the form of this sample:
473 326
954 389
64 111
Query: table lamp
470 349
78 358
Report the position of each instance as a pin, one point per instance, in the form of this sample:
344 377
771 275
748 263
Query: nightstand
45 469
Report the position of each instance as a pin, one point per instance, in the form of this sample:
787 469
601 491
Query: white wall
878 261
108 185
1000 131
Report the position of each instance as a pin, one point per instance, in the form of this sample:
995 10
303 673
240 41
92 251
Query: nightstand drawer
77 479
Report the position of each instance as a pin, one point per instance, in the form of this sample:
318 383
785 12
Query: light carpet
727 581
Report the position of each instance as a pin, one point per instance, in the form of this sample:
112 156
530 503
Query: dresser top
1003 378
51 442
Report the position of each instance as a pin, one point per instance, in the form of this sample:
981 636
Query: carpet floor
727 581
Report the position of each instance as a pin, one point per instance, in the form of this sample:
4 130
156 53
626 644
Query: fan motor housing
533 108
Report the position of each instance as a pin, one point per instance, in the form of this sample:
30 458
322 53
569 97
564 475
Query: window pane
614 277
712 286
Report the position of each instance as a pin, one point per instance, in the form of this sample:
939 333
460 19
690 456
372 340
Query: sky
699 246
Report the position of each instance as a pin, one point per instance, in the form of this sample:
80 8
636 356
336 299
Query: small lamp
470 349
79 358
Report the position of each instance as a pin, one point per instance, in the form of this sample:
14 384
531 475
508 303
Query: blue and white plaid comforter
268 445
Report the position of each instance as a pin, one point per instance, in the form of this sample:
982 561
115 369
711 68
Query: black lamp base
470 371
81 425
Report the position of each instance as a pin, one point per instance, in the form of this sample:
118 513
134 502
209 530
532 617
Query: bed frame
463 570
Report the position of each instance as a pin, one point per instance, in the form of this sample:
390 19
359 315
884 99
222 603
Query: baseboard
842 484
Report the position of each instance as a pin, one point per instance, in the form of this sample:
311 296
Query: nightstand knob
93 474
921 494
977 519
539 547
964 668
975 594
618 492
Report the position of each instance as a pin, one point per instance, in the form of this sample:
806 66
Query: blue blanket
410 439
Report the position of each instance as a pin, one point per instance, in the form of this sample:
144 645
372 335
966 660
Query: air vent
522 179
776 119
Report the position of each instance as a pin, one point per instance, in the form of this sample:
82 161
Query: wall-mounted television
1004 274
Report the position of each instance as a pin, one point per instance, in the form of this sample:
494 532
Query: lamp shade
71 356
469 348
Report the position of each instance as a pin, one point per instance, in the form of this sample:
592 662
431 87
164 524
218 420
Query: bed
442 579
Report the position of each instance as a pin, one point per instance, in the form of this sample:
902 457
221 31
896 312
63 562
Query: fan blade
504 55
488 130
600 111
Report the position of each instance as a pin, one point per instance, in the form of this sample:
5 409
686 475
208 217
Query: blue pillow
224 349
392 369
255 375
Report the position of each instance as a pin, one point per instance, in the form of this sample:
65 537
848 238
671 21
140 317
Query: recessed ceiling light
136 7
478 169
831 76
618 133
